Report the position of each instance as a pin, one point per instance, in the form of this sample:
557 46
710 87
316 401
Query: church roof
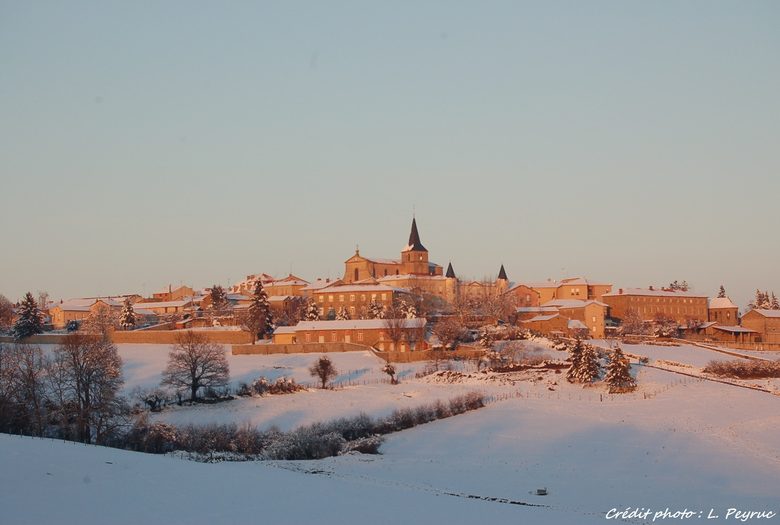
414 240
502 273
450 271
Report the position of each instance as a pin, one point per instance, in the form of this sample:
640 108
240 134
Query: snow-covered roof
570 281
69 307
285 330
535 309
162 304
408 276
277 298
237 297
320 284
142 311
348 288
541 318
357 324
721 302
767 313
706 325
576 324
287 282
572 303
735 329
382 261
653 293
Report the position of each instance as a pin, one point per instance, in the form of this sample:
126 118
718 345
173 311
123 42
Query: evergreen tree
375 310
619 373
312 312
219 300
590 368
721 292
408 310
576 360
30 321
260 319
343 314
774 304
127 318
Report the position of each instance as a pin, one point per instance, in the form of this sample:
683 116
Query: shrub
744 369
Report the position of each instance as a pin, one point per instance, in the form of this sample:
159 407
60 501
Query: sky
148 143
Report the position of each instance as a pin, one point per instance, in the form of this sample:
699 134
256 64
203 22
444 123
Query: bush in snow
744 369
324 370
389 369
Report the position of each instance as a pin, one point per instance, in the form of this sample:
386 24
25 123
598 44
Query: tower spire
502 273
414 239
450 272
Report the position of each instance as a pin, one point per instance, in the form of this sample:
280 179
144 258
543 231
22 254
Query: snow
654 293
676 442
357 324
721 302
767 313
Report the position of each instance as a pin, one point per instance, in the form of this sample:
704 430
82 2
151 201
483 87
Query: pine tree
576 360
619 373
774 304
721 292
219 300
312 312
127 318
408 310
260 319
343 314
590 368
375 310
30 320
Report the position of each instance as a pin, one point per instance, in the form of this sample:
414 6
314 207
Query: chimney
620 291
650 288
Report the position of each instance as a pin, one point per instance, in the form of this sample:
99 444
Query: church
415 272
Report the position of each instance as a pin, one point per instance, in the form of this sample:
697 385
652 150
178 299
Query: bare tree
324 370
632 324
394 325
195 363
101 321
449 331
87 372
6 314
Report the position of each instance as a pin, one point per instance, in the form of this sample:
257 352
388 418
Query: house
289 286
571 288
686 308
79 309
172 294
548 324
591 313
247 286
355 297
369 332
522 295
722 311
766 323
165 308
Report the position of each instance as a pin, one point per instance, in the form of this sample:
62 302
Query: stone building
723 311
684 307
765 322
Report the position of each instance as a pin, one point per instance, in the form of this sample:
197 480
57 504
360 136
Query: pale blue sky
143 143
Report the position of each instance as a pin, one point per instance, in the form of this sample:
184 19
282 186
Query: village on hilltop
410 304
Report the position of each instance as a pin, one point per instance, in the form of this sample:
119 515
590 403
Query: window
373 297
385 272
330 298
322 298
341 298
356 275
363 297
308 337
333 336
384 297
360 336
352 298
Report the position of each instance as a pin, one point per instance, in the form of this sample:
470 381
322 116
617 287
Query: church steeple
450 272
414 239
502 273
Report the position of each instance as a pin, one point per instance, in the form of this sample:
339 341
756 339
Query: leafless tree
394 325
449 331
6 314
324 370
632 324
195 363
101 321
87 374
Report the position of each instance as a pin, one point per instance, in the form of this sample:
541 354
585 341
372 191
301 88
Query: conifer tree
485 339
375 310
721 292
30 321
219 300
619 373
312 312
259 319
343 314
590 368
576 360
774 304
127 318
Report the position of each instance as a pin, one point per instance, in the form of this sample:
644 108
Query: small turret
502 274
450 272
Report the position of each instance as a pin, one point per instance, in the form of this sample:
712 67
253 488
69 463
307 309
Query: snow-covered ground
678 442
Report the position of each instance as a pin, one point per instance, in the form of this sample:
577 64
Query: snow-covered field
677 442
